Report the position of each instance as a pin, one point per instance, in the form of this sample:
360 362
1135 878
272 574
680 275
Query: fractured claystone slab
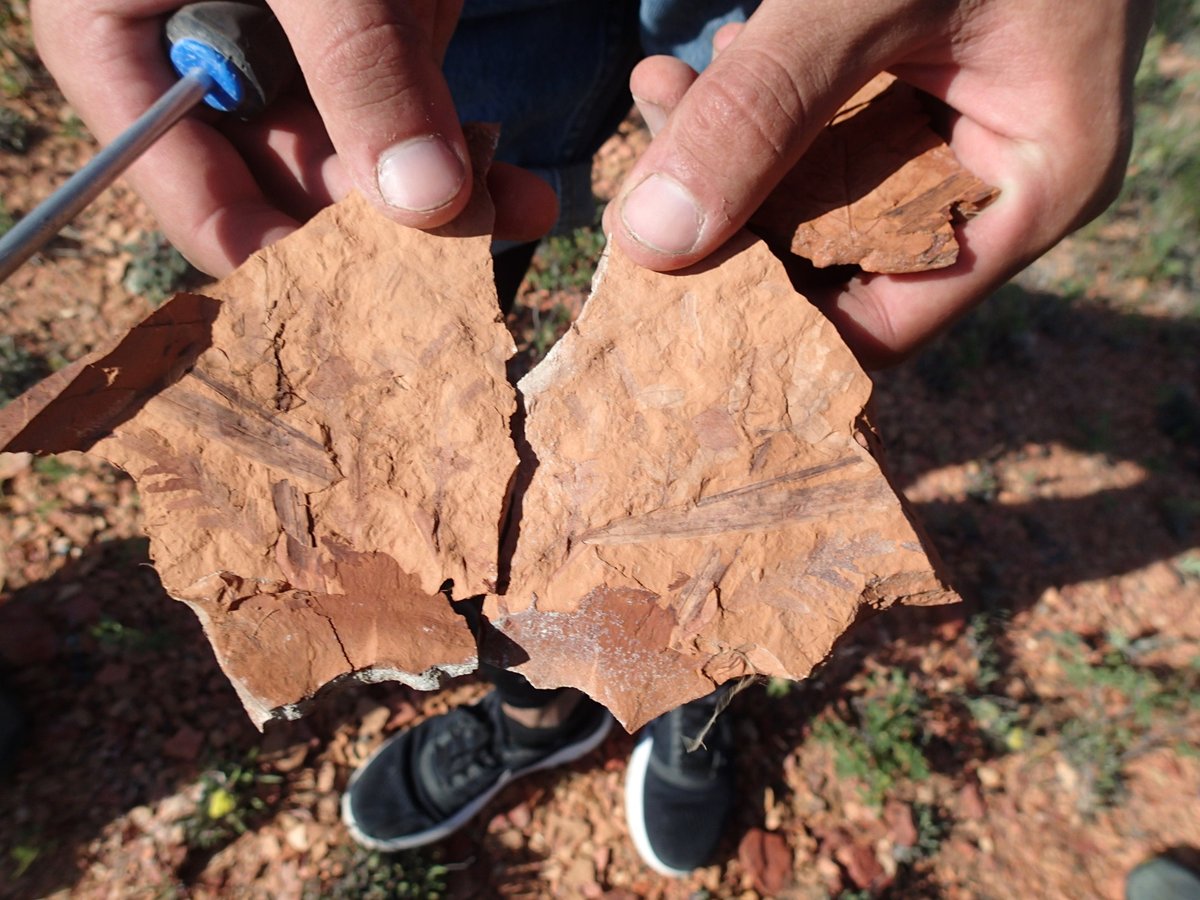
878 188
324 440
705 502
319 444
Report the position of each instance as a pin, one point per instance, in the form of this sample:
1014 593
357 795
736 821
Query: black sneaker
429 781
677 802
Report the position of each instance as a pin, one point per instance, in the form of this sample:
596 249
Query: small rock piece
877 188
767 859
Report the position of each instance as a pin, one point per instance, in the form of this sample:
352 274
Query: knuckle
754 109
360 62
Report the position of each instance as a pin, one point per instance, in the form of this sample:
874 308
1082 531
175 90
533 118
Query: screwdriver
230 54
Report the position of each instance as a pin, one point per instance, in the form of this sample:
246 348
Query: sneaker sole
635 814
563 755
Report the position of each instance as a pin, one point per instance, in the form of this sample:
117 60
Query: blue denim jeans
555 75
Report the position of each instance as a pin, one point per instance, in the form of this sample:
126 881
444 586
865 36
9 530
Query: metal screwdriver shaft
230 54
48 218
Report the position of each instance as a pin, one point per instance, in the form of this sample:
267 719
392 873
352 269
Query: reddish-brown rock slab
878 188
320 443
705 503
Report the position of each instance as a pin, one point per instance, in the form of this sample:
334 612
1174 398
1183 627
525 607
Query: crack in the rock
327 442
316 607
522 478
286 397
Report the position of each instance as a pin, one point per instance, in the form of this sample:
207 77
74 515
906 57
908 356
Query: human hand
1040 99
377 116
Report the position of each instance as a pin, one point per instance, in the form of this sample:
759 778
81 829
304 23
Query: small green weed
380 876
23 856
14 131
778 688
982 630
548 329
567 262
1129 709
20 369
932 828
74 128
883 743
235 796
52 469
1162 189
11 84
7 220
157 269
983 482
998 718
1188 566
116 637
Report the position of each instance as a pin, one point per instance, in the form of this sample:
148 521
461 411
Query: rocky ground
1039 740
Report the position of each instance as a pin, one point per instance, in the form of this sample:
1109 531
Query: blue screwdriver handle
232 55
239 45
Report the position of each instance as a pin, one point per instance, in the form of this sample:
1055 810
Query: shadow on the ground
125 704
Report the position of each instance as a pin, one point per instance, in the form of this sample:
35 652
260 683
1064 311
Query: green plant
23 856
882 742
234 796
1161 195
14 131
1188 566
999 720
932 829
380 876
6 218
117 637
983 482
1128 709
567 262
157 269
53 469
548 330
20 369
779 687
73 128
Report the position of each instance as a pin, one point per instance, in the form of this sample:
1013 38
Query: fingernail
662 215
653 115
420 174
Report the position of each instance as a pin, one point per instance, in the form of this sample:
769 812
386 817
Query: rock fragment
878 189
320 443
704 502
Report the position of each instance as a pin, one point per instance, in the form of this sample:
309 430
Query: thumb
748 118
373 74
